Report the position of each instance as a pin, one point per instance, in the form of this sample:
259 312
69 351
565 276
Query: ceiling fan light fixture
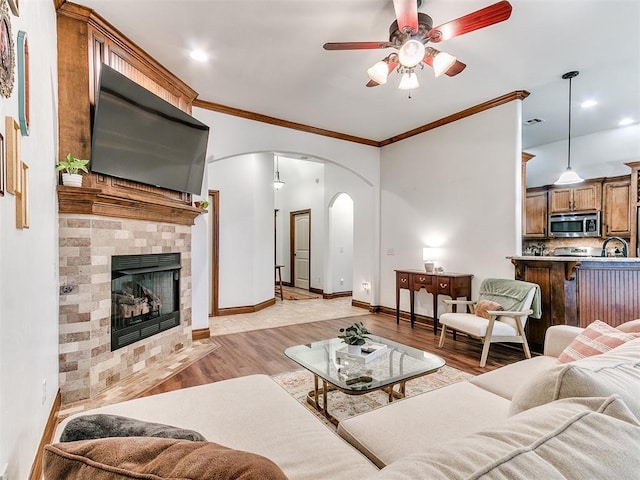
409 81
379 72
442 61
411 53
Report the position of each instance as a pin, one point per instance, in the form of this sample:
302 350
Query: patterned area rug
299 382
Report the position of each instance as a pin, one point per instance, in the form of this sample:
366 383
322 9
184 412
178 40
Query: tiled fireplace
88 361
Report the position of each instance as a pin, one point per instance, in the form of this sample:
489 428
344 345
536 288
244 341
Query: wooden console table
455 285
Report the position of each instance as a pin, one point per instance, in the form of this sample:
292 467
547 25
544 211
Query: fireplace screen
145 296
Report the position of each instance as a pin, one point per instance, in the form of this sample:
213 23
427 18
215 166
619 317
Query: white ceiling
266 56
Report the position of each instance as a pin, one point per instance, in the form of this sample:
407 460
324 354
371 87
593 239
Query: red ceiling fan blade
356 45
496 13
454 70
407 15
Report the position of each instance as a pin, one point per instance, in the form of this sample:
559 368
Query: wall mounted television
139 136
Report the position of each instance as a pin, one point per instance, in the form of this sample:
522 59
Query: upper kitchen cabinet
535 220
617 211
585 197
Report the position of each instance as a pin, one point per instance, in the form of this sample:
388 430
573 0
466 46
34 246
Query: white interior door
301 249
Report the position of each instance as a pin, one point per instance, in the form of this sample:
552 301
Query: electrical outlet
44 393
342 281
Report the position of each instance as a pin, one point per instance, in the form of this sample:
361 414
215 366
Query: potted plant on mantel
71 169
354 336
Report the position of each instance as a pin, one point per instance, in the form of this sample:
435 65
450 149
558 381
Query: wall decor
22 198
7 54
3 167
23 82
15 7
11 129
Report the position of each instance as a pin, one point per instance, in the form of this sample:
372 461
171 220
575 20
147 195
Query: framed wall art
12 142
14 5
22 198
7 54
23 82
3 167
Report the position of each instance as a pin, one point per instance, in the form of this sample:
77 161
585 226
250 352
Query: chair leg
485 351
525 344
443 333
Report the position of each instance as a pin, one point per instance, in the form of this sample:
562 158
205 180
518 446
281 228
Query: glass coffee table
392 364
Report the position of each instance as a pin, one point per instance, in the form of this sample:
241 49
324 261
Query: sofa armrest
558 337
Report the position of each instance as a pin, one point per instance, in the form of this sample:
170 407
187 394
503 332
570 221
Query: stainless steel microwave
563 225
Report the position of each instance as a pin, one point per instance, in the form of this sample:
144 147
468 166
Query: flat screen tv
139 136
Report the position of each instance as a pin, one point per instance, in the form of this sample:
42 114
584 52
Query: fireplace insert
145 296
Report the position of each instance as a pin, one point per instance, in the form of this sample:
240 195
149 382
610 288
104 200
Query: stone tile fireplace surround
87 243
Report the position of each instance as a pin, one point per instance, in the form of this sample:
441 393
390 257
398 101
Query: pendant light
569 177
277 183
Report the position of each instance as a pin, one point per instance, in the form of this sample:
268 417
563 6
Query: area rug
289 294
299 382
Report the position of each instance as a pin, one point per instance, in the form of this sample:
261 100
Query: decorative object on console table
454 285
71 168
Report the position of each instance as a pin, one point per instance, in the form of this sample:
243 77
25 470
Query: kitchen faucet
625 246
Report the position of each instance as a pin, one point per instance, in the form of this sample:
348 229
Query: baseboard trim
405 316
330 296
47 437
200 334
247 308
317 291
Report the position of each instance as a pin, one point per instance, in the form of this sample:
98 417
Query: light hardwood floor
261 351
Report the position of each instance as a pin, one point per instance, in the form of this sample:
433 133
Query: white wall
341 244
29 258
460 183
232 136
601 154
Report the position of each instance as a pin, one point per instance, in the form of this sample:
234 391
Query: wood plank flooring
261 351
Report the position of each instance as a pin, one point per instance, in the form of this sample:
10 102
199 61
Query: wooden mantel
93 201
85 41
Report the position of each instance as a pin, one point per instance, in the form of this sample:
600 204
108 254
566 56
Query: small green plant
204 204
72 165
356 334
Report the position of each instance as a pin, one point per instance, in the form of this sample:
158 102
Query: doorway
214 247
300 241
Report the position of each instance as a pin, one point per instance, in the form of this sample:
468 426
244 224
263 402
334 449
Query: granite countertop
577 259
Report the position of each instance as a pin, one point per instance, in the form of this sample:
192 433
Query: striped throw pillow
598 337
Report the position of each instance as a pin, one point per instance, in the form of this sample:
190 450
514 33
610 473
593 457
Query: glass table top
391 363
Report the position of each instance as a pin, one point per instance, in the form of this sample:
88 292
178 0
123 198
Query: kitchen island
578 290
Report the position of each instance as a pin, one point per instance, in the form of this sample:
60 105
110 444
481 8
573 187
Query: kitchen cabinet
617 207
535 220
585 197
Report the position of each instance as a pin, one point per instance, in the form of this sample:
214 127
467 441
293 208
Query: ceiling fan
409 35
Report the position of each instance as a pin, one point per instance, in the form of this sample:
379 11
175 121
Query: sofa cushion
506 380
87 427
253 414
632 326
574 439
417 424
615 372
157 458
597 338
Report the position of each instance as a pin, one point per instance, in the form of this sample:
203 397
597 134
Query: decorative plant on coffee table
71 169
354 336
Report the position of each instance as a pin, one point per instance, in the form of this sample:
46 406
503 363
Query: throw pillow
632 326
598 337
485 305
88 427
158 458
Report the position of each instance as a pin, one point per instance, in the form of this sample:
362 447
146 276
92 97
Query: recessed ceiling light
199 55
588 104
626 121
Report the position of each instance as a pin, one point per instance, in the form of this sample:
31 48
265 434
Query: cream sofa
489 426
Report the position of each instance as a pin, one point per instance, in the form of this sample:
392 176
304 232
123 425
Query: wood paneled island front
578 290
